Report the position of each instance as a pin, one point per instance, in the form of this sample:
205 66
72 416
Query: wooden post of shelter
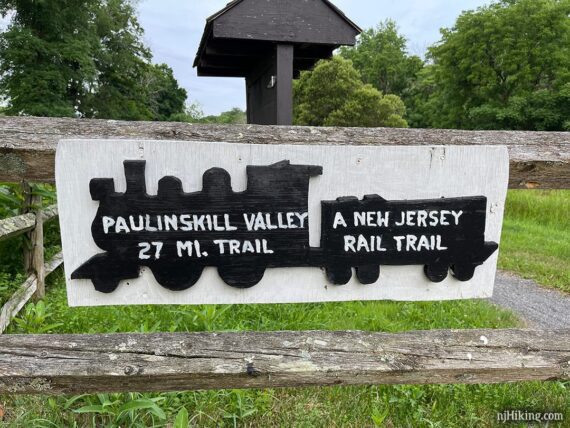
269 42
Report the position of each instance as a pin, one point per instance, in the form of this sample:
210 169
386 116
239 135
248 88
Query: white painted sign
173 222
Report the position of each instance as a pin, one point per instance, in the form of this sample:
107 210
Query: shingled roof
245 31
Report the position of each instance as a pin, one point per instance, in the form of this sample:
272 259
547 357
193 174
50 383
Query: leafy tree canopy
235 116
504 66
82 58
194 114
333 94
381 57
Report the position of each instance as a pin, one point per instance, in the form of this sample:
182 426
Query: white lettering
121 225
456 215
359 219
402 221
399 240
229 227
136 228
171 222
184 246
186 220
443 221
108 222
339 220
349 242
145 247
422 217
302 217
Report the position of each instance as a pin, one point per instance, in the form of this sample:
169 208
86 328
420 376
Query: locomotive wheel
368 274
177 278
241 276
436 272
339 275
463 272
105 285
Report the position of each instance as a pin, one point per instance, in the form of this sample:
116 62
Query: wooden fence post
34 251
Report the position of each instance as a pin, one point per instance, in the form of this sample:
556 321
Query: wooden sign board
173 222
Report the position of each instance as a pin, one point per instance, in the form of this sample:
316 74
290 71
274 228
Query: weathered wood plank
27 144
24 293
50 213
54 263
34 250
37 264
17 302
14 226
426 172
164 362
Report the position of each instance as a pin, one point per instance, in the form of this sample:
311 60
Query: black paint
465 243
279 188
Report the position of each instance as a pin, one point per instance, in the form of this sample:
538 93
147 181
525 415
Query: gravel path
539 306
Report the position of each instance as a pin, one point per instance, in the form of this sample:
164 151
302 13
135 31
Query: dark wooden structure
269 42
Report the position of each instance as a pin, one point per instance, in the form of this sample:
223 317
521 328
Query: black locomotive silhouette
281 189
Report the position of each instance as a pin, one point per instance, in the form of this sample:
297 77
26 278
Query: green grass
391 406
535 244
536 237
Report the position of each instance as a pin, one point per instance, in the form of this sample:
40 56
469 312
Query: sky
173 29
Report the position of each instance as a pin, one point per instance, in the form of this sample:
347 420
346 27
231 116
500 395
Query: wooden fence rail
161 362
24 293
14 226
166 362
33 257
27 144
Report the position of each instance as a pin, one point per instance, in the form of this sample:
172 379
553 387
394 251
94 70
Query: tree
82 58
235 116
333 94
194 114
504 66
45 55
123 64
164 96
381 57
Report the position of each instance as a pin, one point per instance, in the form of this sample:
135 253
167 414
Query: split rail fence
161 362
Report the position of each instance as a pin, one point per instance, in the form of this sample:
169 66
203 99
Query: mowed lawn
536 237
534 245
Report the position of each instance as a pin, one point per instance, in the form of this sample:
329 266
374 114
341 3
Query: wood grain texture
24 293
17 301
291 21
166 362
411 173
14 226
29 204
50 213
27 144
284 86
34 251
